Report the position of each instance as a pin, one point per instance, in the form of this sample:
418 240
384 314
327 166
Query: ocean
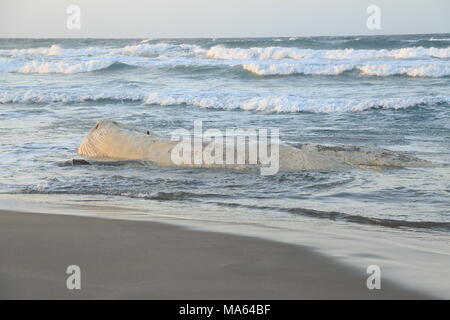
389 92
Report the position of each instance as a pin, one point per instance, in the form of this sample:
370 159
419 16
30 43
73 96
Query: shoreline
151 260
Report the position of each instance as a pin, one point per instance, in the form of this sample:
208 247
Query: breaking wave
222 52
290 104
375 69
432 70
411 61
222 100
272 60
277 53
64 67
139 50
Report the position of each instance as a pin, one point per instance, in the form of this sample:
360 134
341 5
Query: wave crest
375 69
61 66
288 104
411 61
277 53
222 100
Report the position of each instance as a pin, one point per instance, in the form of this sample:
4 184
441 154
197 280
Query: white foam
289 104
142 49
219 99
277 53
67 96
156 50
423 70
287 69
439 39
58 66
413 68
146 49
55 50
52 50
387 68
412 61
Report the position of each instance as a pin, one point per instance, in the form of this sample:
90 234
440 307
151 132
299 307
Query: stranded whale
110 140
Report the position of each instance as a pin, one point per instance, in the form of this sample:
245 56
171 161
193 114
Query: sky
219 18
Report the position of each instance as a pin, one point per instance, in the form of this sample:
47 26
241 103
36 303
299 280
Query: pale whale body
110 140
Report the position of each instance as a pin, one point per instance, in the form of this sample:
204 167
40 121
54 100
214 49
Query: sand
146 260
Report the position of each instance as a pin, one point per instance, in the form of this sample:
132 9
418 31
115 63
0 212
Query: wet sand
147 260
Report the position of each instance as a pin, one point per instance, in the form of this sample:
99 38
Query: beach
359 126
147 260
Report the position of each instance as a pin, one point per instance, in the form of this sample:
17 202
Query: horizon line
227 37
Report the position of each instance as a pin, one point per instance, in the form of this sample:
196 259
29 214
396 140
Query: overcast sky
219 18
